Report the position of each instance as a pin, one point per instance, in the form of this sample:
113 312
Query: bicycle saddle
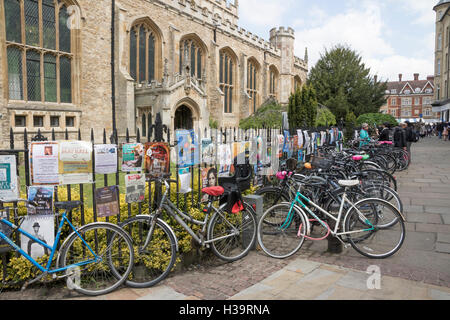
214 191
348 183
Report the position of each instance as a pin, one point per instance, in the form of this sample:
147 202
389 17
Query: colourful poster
209 179
187 148
44 164
157 160
75 162
135 188
208 151
105 158
107 201
42 196
132 157
9 184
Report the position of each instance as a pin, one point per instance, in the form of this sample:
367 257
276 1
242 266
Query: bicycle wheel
235 234
364 224
109 267
272 196
285 238
388 195
154 262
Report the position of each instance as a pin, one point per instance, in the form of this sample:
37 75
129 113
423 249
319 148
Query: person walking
364 135
410 137
445 132
440 129
384 135
400 136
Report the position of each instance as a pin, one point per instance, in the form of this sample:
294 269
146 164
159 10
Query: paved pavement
420 270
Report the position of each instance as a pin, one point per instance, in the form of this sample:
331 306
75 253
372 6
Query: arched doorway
183 118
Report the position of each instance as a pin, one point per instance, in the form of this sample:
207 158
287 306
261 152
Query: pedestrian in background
384 135
440 129
400 136
445 132
364 135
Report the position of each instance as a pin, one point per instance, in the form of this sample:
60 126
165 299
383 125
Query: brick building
188 60
411 99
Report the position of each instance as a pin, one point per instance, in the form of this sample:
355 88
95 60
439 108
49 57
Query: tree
376 119
267 116
350 124
302 108
325 118
340 71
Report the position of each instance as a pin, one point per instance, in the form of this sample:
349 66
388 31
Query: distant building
411 99
441 62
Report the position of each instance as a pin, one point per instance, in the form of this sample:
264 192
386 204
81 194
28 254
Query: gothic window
252 84
39 50
273 85
226 79
191 54
144 46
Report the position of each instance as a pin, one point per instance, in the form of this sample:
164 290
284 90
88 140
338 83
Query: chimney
416 77
400 77
430 78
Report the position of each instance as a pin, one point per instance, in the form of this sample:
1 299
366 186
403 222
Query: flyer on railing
42 196
135 187
75 162
132 157
9 184
157 160
44 157
105 158
41 228
107 201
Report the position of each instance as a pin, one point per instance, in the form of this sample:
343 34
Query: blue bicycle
96 258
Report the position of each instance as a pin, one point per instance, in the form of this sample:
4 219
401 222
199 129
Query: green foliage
350 124
343 83
268 116
302 108
213 124
376 119
325 118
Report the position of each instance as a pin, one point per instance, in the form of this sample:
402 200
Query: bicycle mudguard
301 212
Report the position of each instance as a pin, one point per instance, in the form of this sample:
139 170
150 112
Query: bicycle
230 236
96 258
367 225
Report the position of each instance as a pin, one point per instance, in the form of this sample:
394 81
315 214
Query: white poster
42 228
105 158
44 163
9 185
135 187
75 162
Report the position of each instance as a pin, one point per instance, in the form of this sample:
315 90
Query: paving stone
443 237
430 202
302 265
446 218
163 293
440 210
354 280
422 227
432 218
413 209
439 295
443 247
420 241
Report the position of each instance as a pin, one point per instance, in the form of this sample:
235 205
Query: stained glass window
193 56
151 57
64 31
12 16
251 84
49 24
142 54
32 22
133 53
65 79
15 73
226 80
50 77
33 76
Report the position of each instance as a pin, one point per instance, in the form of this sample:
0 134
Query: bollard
334 245
257 203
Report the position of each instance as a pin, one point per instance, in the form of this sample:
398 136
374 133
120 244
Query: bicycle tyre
272 196
373 244
153 263
103 275
240 240
282 240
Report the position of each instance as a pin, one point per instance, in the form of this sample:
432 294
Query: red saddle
214 191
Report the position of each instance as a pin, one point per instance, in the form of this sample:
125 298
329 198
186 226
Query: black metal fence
157 132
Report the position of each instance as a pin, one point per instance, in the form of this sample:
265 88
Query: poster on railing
9 184
184 176
75 162
157 161
208 179
224 158
135 188
42 196
105 158
208 151
279 145
187 148
132 157
41 228
44 163
107 201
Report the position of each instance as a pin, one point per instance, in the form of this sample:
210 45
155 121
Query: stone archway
183 118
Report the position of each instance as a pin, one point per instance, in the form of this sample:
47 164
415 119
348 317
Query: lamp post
113 84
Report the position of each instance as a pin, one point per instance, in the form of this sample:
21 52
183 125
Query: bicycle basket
320 163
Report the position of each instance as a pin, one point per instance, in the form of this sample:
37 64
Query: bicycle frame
298 199
179 215
43 244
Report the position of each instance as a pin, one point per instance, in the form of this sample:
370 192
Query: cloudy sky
392 36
